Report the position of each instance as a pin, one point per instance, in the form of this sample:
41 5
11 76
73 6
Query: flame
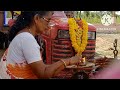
84 60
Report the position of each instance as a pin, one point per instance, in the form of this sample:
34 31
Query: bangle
64 63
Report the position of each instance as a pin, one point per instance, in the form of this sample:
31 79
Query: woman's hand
75 60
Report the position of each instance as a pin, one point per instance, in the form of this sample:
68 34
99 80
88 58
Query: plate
88 64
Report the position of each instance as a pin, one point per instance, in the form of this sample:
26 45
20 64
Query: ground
105 37
104 45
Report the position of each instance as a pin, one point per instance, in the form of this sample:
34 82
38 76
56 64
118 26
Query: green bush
92 20
95 18
118 19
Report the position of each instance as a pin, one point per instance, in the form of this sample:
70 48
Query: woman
23 58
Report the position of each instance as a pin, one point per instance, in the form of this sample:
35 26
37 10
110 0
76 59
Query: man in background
69 14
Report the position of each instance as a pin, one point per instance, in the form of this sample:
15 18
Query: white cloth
23 48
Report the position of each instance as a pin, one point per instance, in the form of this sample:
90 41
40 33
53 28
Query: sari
9 70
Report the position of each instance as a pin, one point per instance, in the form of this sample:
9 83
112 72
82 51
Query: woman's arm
44 71
31 52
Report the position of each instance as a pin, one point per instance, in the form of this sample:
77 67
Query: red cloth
110 72
11 22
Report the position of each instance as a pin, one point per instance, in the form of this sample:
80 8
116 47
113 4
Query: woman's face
42 23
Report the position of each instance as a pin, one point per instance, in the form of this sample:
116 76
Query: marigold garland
78 30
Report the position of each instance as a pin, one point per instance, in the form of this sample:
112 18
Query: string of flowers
78 30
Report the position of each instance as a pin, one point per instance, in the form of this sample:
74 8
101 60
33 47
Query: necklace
29 31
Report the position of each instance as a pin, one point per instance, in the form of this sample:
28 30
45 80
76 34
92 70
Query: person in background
11 22
15 14
69 14
22 59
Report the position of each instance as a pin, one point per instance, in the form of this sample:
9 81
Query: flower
78 30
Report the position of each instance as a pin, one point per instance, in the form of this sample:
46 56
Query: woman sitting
22 59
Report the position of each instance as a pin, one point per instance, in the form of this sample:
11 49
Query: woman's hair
24 20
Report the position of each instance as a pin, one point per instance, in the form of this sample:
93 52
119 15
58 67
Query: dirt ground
105 37
104 45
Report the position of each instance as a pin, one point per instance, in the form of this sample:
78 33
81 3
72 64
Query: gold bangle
64 63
